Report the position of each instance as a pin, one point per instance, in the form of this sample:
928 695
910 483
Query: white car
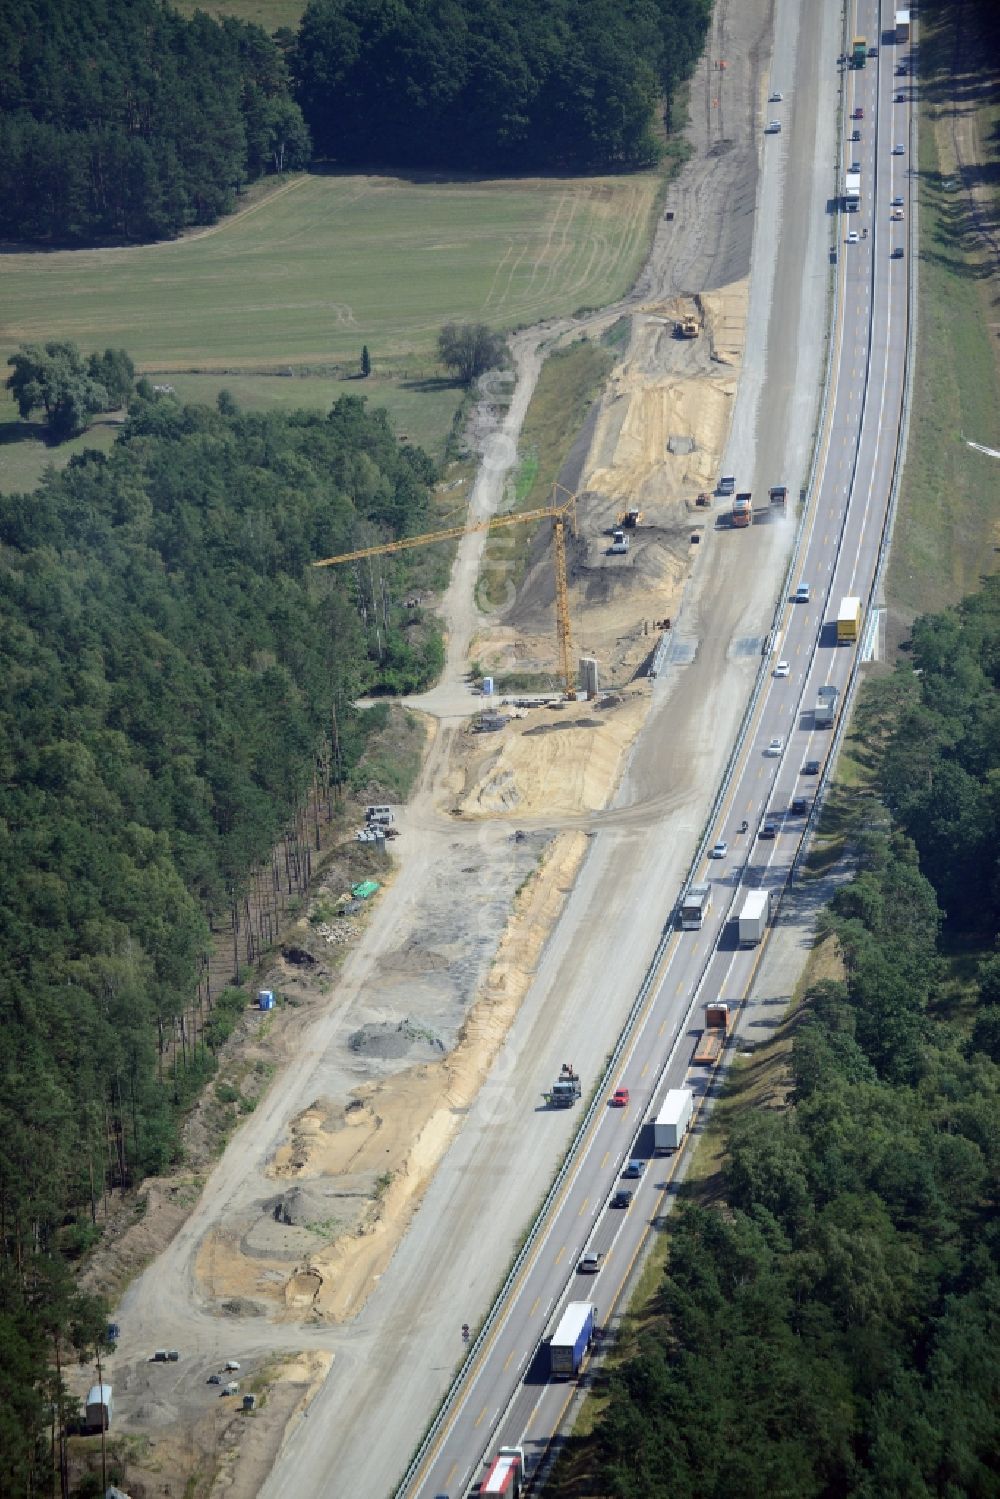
775 746
719 850
899 150
853 237
896 202
781 670
802 593
774 97
773 127
896 215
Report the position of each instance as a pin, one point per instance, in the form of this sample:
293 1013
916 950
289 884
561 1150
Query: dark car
855 135
811 768
800 805
769 830
622 1199
633 1170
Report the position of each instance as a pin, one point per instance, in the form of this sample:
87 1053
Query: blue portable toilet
265 999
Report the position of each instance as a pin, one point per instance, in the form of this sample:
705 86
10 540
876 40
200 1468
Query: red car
619 1098
858 114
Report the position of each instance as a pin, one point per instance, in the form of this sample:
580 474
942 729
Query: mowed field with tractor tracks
325 264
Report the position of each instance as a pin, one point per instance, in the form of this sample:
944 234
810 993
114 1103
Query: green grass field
306 275
267 13
309 274
947 534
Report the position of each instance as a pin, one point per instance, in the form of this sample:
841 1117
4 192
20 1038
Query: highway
506 1396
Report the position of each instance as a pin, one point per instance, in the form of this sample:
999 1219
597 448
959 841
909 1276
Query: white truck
753 917
672 1120
571 1340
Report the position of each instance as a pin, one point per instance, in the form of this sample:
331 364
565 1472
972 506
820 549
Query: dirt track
431 951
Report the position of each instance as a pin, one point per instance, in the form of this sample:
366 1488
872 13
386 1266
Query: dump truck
713 1037
859 51
565 1090
672 1120
573 1336
506 1475
696 902
848 620
753 917
826 706
743 509
778 496
727 484
686 327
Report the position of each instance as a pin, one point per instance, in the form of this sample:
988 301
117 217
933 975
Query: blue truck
572 1338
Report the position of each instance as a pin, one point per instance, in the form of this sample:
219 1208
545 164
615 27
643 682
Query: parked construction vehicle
619 542
778 496
565 1090
630 518
686 327
713 1037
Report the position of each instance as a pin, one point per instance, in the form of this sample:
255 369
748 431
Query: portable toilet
265 999
487 687
98 1415
249 1402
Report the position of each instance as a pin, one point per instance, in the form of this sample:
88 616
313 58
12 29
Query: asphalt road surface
507 1396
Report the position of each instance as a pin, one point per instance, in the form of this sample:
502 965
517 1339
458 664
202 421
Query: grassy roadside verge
948 530
569 383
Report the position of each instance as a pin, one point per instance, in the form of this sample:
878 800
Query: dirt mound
393 1041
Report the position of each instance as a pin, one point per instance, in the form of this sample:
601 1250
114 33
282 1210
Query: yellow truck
848 620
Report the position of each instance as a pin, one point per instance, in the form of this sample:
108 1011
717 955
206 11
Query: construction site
386 1042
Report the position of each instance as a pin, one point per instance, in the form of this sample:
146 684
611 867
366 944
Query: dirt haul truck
571 1339
778 496
506 1475
753 917
742 509
848 621
672 1120
713 1037
565 1090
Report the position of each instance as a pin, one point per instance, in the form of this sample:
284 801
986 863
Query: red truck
506 1475
713 1037
743 509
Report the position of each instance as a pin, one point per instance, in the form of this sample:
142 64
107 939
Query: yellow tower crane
558 514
